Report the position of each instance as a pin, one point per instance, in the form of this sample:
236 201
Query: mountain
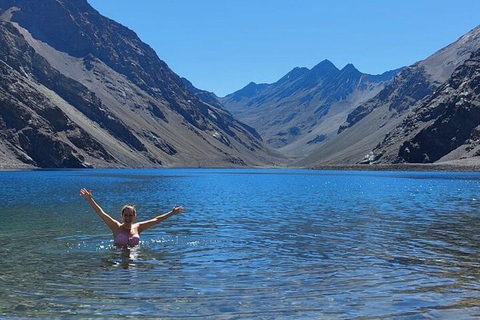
446 126
305 107
376 120
80 90
249 91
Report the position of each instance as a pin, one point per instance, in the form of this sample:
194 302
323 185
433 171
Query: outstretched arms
111 223
142 226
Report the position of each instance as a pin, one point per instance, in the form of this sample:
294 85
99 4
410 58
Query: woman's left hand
177 210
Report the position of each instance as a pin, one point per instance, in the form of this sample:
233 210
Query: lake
261 244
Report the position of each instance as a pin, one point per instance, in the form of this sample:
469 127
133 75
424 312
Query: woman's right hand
86 194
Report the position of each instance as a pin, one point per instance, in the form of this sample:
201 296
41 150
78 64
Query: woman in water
127 233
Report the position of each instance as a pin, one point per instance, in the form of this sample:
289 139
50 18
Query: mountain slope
102 79
369 123
446 126
305 107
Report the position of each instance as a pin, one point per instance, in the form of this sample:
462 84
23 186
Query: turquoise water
262 244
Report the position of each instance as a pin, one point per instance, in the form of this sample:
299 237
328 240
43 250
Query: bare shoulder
136 227
116 226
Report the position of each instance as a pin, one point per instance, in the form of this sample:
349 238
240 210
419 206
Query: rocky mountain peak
250 86
248 91
350 68
325 67
348 73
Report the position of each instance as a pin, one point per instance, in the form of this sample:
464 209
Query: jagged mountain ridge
369 124
305 107
140 112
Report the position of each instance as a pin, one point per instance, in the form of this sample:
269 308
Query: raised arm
144 225
110 222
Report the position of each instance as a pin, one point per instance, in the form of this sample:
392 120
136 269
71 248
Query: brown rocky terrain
446 126
80 90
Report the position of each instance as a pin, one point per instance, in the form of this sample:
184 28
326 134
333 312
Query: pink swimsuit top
124 240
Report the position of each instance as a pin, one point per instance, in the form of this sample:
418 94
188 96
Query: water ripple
264 244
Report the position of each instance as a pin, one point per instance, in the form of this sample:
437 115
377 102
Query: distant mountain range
305 107
80 90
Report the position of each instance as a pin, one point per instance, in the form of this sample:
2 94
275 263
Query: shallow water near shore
264 244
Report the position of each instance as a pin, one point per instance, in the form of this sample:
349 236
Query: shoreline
431 167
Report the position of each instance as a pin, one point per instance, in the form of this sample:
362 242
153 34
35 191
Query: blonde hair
129 207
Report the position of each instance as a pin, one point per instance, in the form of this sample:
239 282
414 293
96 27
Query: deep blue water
266 244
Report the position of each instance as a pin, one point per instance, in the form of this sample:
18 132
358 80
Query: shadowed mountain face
305 107
79 90
392 126
32 127
446 125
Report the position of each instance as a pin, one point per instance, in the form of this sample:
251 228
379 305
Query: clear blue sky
222 45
